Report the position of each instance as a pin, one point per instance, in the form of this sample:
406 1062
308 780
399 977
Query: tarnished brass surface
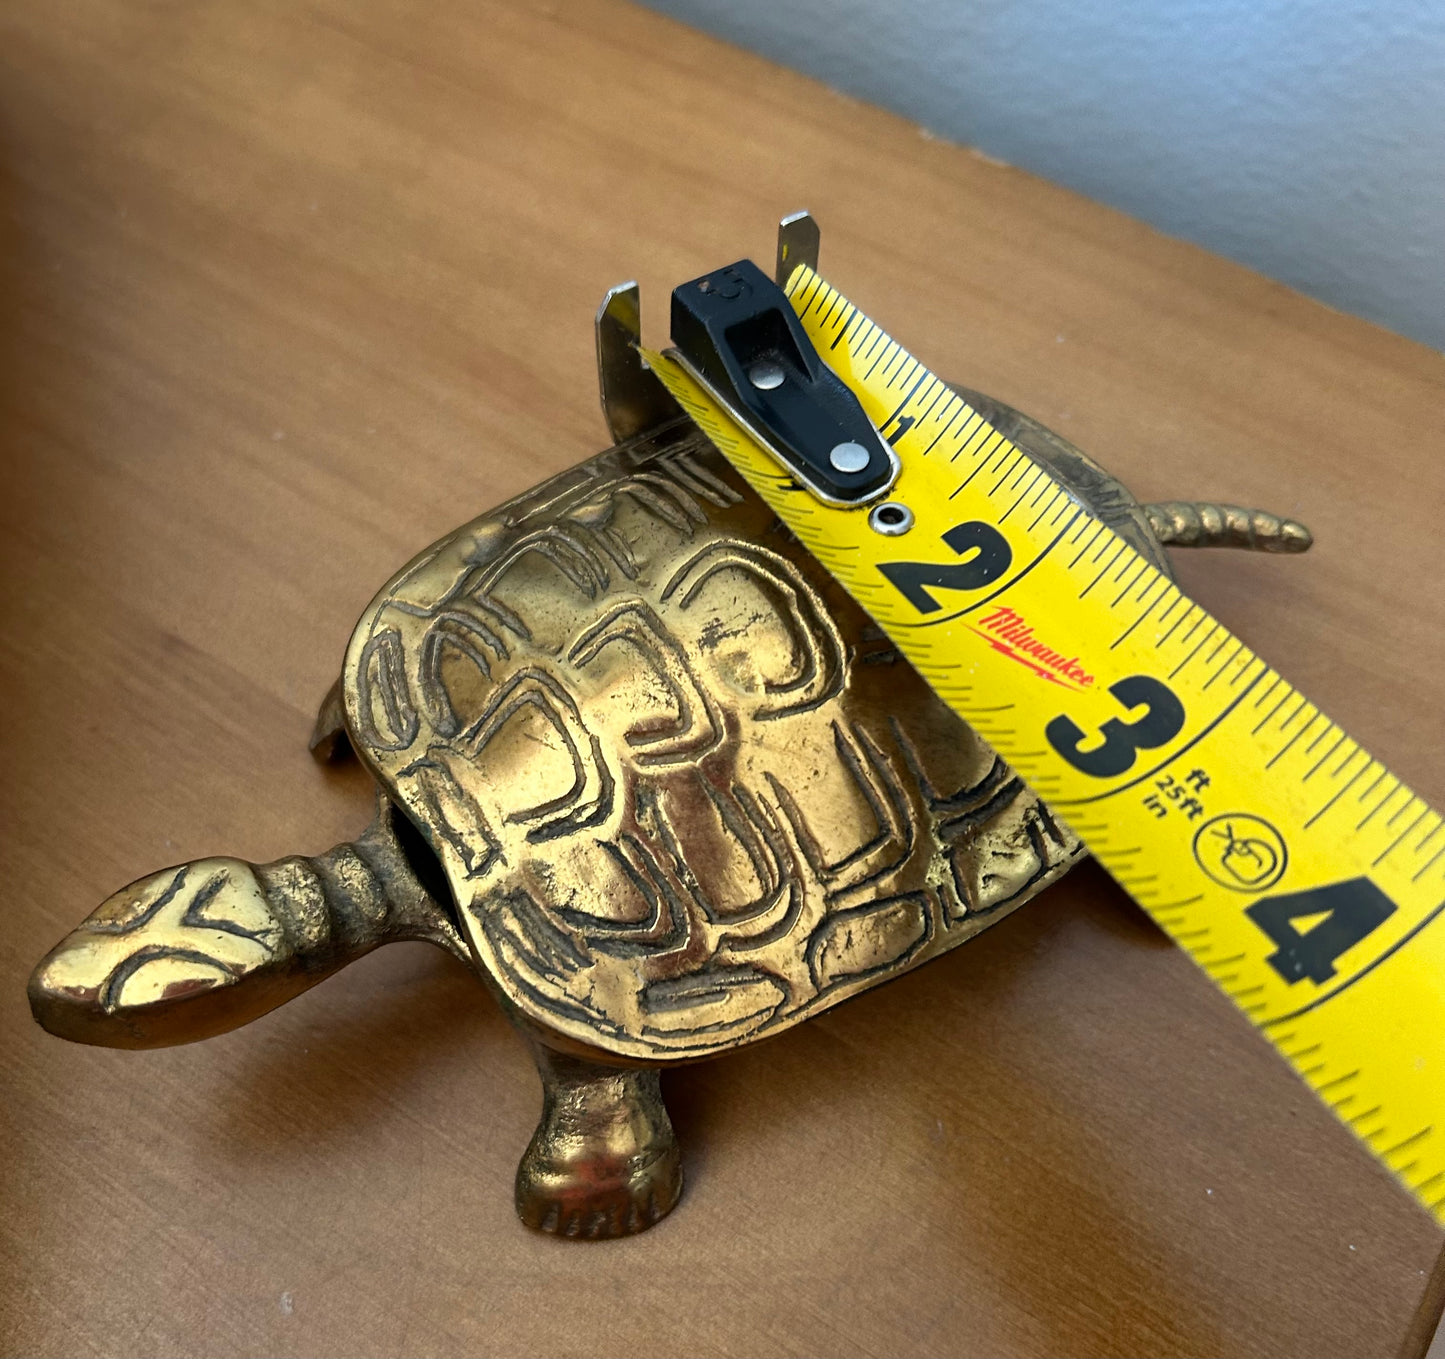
665 786
603 1161
686 793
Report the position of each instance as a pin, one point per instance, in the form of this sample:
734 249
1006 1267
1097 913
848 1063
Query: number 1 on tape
1299 873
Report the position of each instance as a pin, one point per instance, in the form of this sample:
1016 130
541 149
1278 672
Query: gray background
1306 140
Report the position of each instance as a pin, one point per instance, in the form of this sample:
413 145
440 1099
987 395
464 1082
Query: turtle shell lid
684 791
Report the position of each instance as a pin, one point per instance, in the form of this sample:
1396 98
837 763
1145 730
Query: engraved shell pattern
684 791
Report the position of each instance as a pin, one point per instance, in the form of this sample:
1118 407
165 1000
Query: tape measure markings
1242 833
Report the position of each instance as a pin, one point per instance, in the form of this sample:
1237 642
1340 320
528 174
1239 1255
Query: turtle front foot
604 1161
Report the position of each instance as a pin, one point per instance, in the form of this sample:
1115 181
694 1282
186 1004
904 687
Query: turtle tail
1192 523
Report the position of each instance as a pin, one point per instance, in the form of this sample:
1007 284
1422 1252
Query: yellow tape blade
1301 875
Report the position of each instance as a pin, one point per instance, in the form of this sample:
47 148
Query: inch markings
1305 879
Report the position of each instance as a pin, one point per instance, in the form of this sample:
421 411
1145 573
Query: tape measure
1297 871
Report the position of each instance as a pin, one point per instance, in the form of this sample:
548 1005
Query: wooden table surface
289 289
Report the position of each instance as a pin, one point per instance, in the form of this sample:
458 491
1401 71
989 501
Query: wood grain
287 290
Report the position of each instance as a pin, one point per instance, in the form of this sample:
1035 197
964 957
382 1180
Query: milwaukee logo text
1008 631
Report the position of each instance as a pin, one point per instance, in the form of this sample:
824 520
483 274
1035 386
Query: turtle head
197 950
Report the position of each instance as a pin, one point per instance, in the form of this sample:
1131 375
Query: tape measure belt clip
739 337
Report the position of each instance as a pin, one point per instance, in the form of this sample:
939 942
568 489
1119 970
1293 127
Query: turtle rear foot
603 1162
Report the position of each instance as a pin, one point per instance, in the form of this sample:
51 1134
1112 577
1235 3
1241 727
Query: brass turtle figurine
646 769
